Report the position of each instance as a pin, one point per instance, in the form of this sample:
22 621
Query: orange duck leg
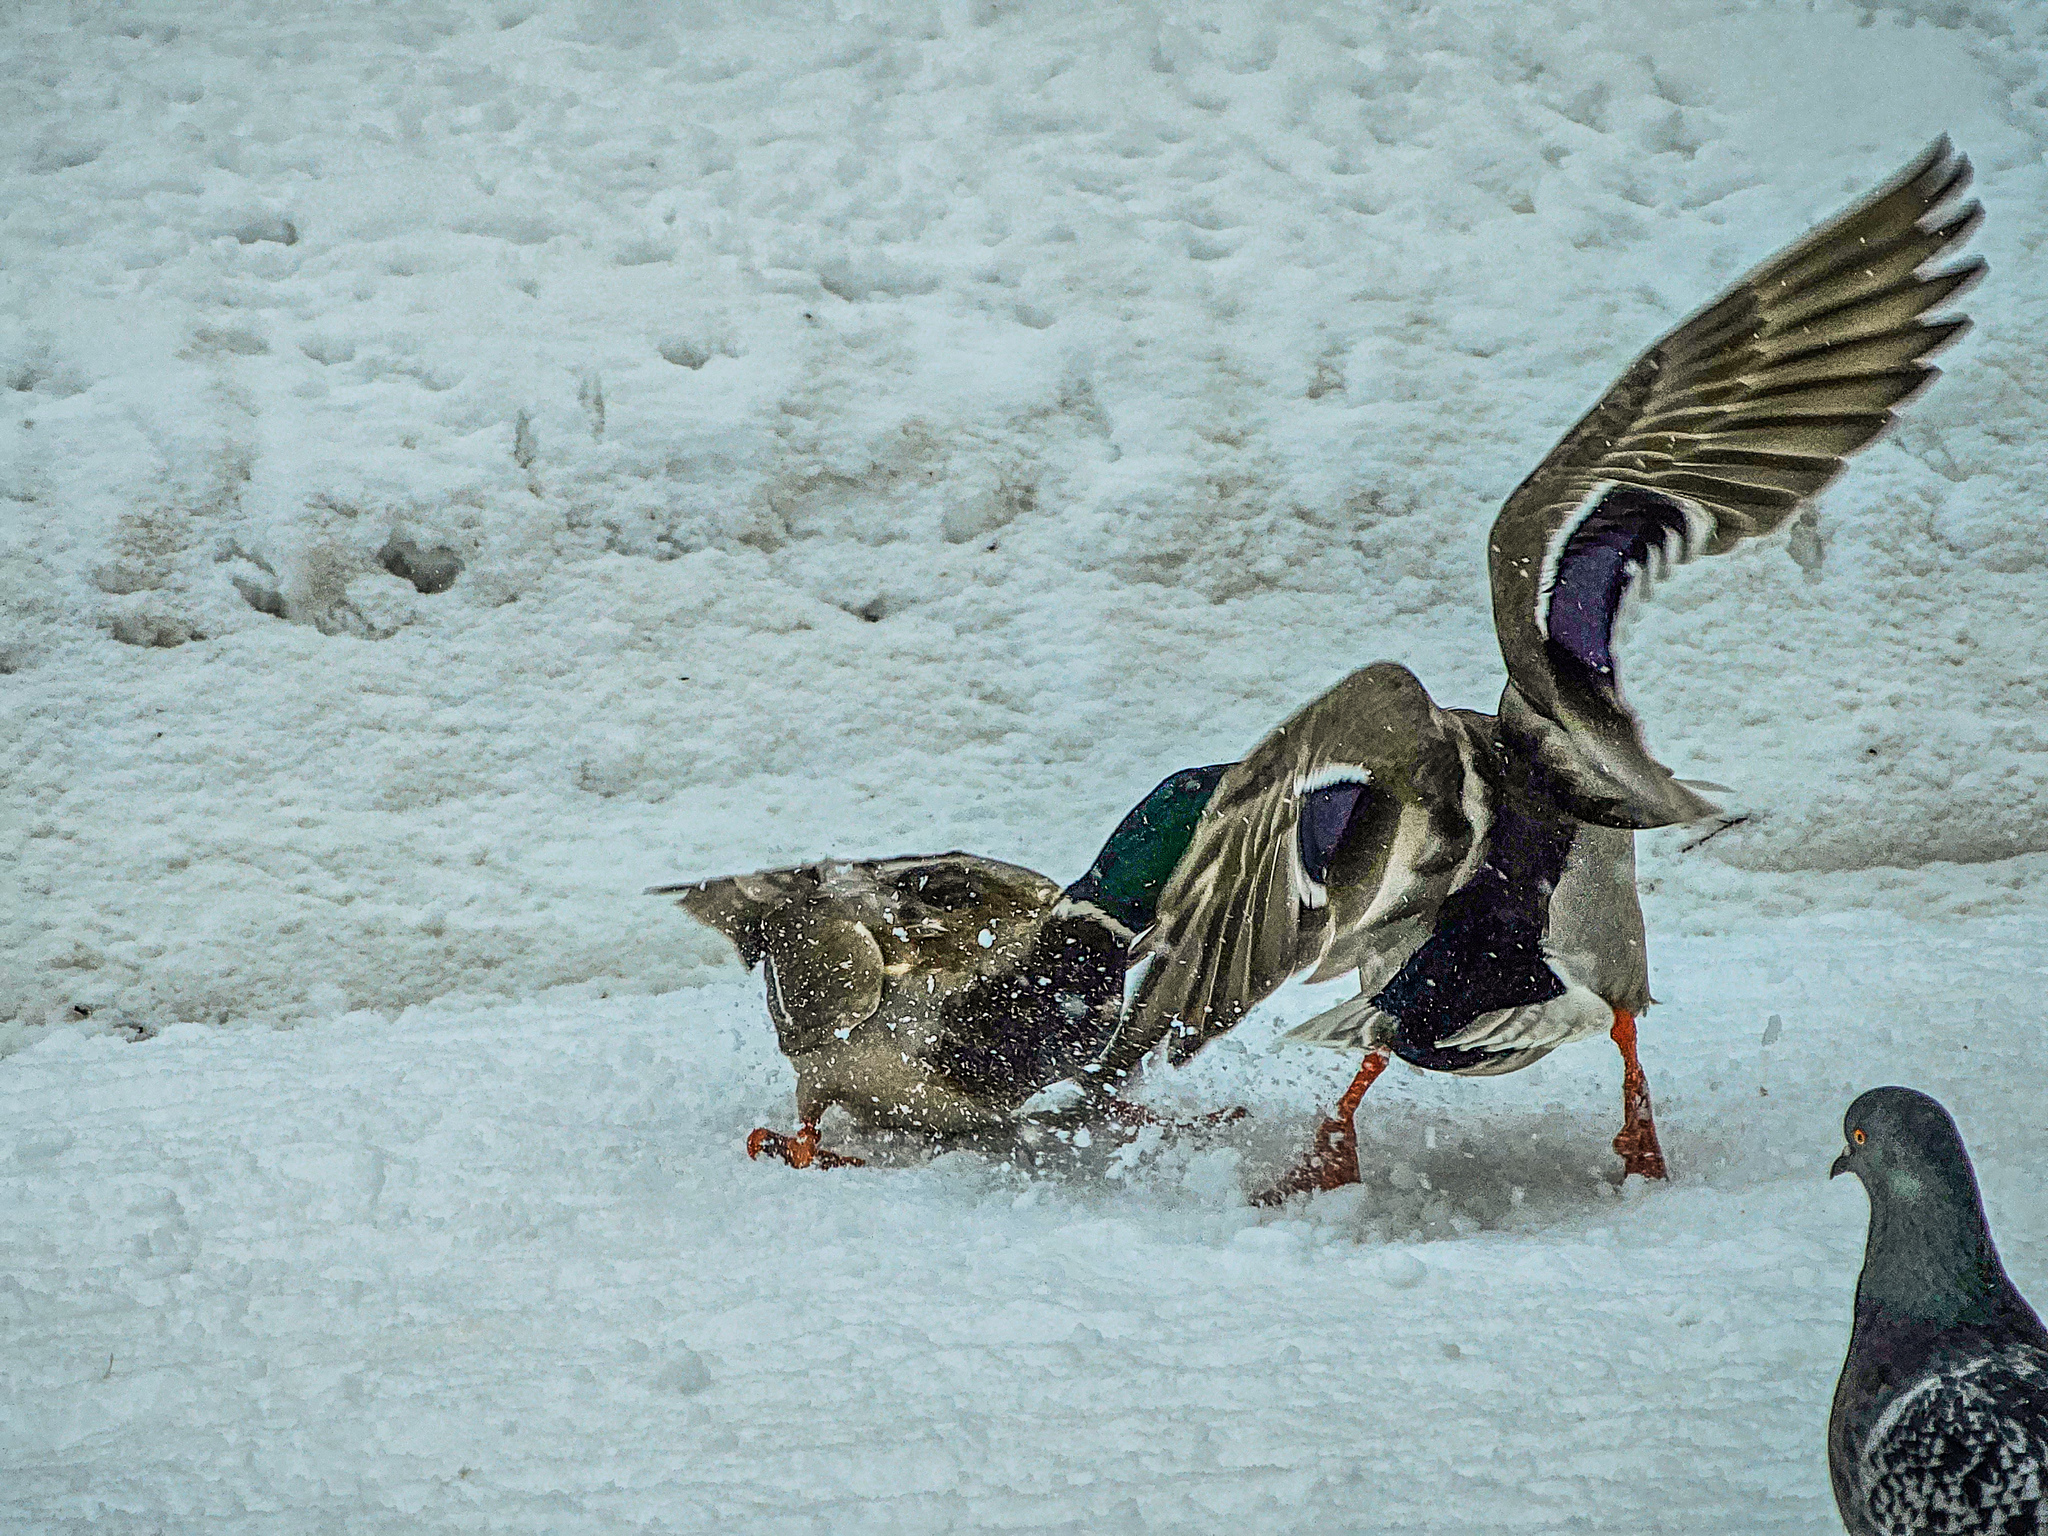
1637 1143
1333 1161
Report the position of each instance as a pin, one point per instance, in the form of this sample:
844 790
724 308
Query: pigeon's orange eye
1857 1137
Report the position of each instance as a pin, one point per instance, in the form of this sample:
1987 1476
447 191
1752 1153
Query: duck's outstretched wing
1718 433
738 905
1350 820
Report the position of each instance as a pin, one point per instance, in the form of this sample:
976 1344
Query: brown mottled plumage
936 994
865 966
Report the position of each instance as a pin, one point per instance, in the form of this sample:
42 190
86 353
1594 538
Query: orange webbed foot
799 1151
1332 1161
1639 1152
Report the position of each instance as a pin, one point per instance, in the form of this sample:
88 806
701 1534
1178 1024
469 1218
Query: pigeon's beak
1840 1164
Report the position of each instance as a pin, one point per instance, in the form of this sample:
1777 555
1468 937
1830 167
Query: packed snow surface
461 463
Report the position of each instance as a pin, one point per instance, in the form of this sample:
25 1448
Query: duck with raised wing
1940 1420
1478 872
936 994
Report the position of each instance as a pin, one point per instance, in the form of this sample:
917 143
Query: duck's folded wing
1718 433
737 905
1348 816
825 976
952 917
1507 1039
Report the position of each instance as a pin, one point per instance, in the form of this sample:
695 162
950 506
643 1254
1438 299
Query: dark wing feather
1728 425
1009 1033
1965 1450
1230 929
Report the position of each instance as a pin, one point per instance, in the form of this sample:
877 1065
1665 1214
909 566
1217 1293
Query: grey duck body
1375 832
1535 950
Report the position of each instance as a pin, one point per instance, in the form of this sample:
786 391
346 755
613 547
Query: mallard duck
1940 1420
936 994
1478 872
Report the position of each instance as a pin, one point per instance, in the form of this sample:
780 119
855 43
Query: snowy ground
506 1269
915 428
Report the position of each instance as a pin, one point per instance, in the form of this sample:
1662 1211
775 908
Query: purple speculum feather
1599 560
1325 813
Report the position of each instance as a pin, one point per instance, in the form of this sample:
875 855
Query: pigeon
1940 1421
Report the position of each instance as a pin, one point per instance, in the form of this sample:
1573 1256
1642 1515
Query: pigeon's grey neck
1930 1257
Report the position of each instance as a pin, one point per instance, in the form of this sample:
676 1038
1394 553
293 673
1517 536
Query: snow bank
471 461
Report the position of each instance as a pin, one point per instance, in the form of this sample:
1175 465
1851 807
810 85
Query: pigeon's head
1930 1258
1897 1139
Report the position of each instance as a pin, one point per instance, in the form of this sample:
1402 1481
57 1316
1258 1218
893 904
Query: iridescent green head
1127 876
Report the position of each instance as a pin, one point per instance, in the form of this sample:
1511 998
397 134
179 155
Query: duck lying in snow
936 994
1478 872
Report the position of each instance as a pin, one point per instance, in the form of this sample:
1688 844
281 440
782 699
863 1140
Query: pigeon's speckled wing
1348 820
1717 434
1965 1450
